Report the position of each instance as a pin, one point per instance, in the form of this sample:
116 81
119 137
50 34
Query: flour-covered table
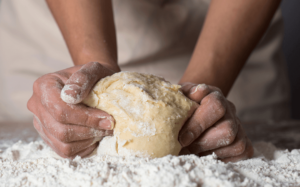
26 161
284 134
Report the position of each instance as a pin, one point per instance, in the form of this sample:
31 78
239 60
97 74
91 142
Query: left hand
214 126
69 127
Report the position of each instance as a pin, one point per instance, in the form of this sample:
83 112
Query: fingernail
194 89
198 87
106 124
186 138
71 93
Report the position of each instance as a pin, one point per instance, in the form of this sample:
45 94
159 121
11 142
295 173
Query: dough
149 114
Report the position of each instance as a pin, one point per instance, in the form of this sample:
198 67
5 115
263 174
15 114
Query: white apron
153 37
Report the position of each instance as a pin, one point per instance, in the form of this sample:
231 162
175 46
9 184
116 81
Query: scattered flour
33 164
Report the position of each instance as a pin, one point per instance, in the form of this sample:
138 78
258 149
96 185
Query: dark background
291 49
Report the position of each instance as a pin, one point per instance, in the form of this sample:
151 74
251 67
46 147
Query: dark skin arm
88 29
70 128
230 33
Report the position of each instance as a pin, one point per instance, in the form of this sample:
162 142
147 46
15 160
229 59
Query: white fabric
153 37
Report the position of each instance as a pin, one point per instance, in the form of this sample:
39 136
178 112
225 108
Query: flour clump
149 113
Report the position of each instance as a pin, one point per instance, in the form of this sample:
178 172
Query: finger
222 134
70 133
186 87
38 127
231 107
248 153
86 152
82 153
197 92
81 82
66 150
78 114
211 109
236 148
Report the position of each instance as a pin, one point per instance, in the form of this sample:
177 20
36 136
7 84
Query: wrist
112 66
211 68
110 63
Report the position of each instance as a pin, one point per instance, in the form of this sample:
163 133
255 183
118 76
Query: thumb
79 85
195 92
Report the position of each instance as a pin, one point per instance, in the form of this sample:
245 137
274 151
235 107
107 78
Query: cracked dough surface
149 114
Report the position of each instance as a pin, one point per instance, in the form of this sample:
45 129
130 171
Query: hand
214 126
68 127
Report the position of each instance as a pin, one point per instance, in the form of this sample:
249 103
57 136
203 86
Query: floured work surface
285 134
30 163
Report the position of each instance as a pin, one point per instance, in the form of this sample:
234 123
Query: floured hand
68 127
214 126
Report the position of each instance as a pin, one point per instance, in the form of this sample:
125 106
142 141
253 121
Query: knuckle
89 120
228 134
41 80
67 150
40 130
62 134
219 105
36 126
51 75
30 105
61 74
59 114
223 142
230 139
217 90
240 147
230 130
60 154
95 65
36 84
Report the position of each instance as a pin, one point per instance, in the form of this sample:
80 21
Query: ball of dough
149 113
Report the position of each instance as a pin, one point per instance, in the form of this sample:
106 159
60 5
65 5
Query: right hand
69 127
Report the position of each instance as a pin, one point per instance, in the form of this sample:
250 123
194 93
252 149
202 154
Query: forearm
88 29
231 31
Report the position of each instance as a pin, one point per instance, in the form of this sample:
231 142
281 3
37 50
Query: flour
34 164
67 98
